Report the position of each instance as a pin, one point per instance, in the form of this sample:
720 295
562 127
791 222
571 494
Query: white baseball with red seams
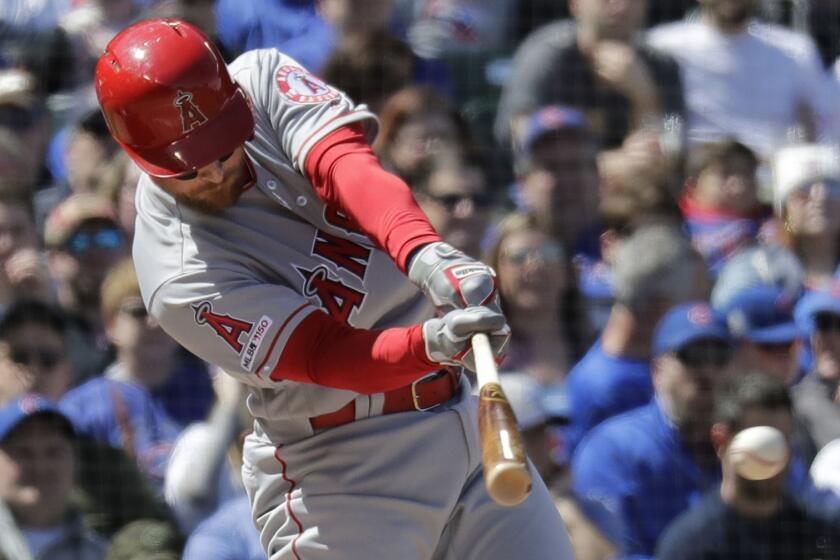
758 453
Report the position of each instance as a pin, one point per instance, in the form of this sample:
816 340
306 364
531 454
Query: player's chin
215 202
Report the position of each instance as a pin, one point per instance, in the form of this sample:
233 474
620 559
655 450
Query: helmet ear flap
168 98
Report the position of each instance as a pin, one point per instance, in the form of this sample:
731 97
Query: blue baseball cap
549 119
762 314
687 323
26 406
814 302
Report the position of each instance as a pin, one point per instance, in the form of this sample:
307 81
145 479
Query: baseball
758 453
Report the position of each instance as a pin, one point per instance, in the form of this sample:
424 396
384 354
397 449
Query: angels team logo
226 326
337 299
302 87
191 115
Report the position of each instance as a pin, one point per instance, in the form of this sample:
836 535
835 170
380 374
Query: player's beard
215 202
218 199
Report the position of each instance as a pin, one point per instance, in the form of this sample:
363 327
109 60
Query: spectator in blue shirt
655 268
292 26
750 519
229 534
634 473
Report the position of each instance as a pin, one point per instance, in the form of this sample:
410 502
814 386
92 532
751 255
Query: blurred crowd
655 182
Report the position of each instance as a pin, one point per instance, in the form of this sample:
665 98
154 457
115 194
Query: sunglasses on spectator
193 174
831 186
827 322
547 252
84 241
450 201
44 358
705 354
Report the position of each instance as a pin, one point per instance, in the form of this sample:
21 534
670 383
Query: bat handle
506 473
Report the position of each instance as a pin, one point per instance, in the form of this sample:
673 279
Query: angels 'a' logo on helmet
191 115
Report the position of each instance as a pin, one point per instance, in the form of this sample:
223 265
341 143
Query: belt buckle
416 398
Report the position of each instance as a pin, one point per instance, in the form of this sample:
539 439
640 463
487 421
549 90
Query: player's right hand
448 338
452 280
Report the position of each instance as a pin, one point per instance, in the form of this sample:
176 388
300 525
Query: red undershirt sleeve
327 352
347 176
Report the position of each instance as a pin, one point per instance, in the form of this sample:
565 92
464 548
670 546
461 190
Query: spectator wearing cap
38 459
595 64
806 200
84 241
759 265
816 398
33 351
633 474
720 200
750 518
557 176
24 131
655 268
761 319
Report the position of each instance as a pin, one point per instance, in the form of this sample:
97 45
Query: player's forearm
326 352
346 174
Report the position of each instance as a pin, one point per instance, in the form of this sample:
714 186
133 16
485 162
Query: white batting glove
452 280
448 338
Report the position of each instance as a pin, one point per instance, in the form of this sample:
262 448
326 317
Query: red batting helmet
168 98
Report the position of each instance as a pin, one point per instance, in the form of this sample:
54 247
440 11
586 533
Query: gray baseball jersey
231 288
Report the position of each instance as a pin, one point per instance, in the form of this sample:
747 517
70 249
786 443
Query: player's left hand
448 338
452 280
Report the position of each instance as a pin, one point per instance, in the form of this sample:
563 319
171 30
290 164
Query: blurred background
656 183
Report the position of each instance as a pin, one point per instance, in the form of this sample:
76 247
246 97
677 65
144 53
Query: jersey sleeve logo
191 115
300 86
225 326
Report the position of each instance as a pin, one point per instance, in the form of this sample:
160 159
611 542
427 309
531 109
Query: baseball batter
271 243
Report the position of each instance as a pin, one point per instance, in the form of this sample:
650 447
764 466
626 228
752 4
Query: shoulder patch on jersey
229 328
300 86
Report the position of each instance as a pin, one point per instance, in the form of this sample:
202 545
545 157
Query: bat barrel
506 473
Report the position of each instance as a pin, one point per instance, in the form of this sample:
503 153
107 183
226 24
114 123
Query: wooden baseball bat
506 473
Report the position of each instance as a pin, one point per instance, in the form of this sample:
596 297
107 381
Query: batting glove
452 280
447 338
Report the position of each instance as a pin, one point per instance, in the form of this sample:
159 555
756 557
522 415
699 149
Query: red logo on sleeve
225 326
302 87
